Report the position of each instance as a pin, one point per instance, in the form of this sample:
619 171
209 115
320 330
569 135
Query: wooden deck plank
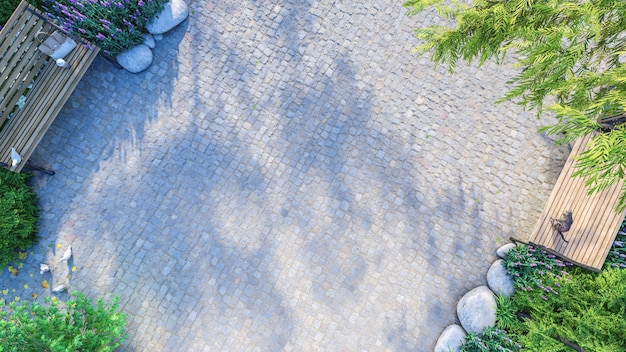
595 221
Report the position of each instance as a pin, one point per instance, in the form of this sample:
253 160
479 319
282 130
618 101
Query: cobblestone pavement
286 176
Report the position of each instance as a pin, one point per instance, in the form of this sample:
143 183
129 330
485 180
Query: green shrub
18 215
78 327
113 25
8 6
490 340
589 311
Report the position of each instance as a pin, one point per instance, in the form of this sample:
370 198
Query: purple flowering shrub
533 268
112 25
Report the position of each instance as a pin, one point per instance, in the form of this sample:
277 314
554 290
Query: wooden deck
595 220
24 70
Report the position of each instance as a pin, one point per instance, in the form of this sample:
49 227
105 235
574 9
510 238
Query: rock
451 339
136 59
173 13
499 280
157 37
148 39
477 309
502 251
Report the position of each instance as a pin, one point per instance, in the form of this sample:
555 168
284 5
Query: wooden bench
24 70
595 220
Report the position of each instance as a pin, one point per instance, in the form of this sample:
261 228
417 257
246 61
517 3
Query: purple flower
100 36
544 298
81 30
141 3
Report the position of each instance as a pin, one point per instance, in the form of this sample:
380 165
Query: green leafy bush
18 215
78 327
588 311
113 25
490 340
8 6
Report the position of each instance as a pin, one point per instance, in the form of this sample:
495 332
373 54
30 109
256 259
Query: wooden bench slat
52 85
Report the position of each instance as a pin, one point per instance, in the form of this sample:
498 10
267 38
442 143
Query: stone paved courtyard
287 176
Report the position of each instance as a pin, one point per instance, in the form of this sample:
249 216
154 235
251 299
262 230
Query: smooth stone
157 37
499 280
136 59
451 339
173 13
502 251
477 309
148 39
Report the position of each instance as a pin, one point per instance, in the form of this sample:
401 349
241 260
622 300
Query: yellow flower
59 245
25 285
17 298
22 255
34 296
5 292
74 269
44 284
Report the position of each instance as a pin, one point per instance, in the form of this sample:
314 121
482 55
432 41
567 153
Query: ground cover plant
77 326
112 25
18 215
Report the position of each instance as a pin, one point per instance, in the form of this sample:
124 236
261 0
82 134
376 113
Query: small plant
18 215
490 340
78 327
113 25
505 313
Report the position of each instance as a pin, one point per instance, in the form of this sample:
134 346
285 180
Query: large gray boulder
136 59
173 13
499 280
477 309
502 251
451 339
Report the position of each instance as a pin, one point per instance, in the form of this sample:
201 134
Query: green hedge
8 6
18 215
80 326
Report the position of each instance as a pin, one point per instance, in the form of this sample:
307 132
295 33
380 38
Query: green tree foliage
18 215
78 327
569 54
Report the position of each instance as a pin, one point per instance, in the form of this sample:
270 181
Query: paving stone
315 200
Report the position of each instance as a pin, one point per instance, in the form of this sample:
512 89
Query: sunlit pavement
287 175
